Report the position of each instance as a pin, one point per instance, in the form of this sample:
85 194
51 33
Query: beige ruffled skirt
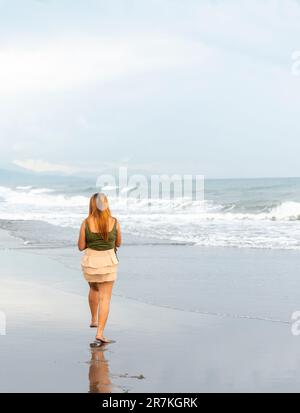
99 266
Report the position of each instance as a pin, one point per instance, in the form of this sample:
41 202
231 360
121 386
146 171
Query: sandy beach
158 348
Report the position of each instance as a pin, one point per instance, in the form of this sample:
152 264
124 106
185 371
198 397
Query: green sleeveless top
95 241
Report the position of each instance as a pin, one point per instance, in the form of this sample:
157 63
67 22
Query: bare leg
94 303
105 296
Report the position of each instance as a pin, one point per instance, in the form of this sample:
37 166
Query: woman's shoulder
84 223
116 223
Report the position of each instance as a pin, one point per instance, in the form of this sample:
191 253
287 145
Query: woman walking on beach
99 236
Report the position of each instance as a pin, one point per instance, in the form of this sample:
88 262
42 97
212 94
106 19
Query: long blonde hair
100 213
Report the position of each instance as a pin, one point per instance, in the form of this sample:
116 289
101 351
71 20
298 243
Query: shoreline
21 231
157 349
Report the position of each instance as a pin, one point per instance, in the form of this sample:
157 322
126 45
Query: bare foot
94 324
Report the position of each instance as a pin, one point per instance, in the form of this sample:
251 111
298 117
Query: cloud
44 166
40 166
67 62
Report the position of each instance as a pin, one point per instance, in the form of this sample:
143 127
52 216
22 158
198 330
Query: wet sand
158 349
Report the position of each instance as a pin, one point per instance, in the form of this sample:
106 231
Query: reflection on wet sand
99 377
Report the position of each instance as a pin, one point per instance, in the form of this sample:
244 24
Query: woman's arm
119 236
81 240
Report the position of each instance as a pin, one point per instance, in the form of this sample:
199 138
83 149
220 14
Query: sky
209 87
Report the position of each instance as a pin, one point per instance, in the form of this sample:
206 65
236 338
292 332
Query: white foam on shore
203 223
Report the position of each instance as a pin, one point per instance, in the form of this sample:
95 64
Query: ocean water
251 213
252 229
